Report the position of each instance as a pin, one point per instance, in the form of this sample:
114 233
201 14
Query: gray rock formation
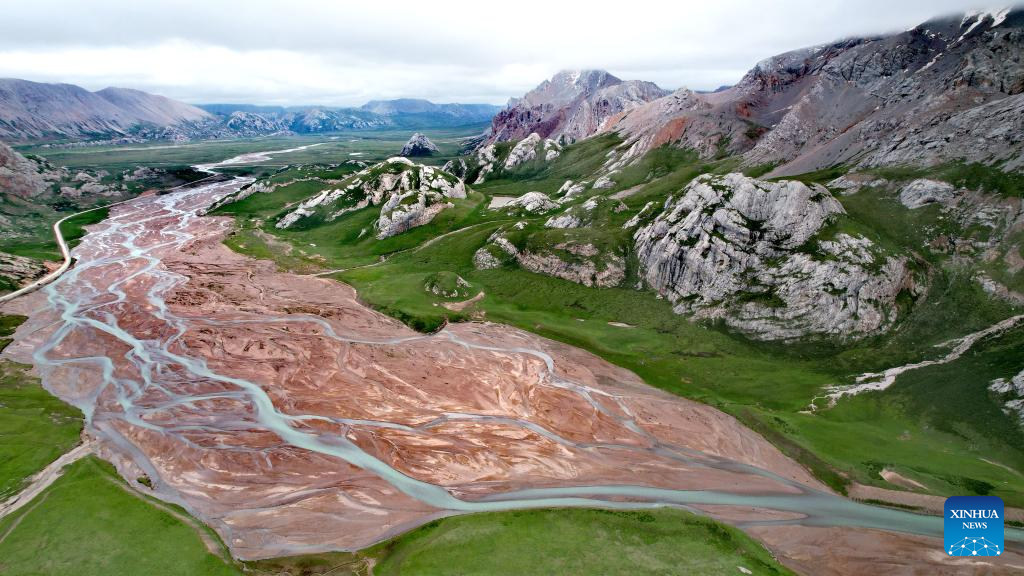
456 167
583 214
531 148
250 124
418 145
753 253
1011 392
532 202
922 191
582 263
409 194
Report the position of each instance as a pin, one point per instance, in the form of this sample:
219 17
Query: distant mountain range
949 89
247 120
34 111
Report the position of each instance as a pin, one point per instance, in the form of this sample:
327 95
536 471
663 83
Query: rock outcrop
16 271
761 257
922 192
26 178
489 160
1011 393
409 194
531 202
575 261
583 214
418 145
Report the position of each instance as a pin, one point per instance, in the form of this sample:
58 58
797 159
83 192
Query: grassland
331 148
560 541
575 542
35 427
89 523
73 229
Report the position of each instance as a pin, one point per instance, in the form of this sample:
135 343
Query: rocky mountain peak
418 145
573 104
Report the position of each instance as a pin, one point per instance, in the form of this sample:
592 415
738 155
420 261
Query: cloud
337 53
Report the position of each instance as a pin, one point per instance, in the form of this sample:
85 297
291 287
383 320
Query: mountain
34 111
409 109
251 120
949 89
570 106
37 111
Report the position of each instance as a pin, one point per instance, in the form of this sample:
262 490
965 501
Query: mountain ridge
38 111
949 89
35 110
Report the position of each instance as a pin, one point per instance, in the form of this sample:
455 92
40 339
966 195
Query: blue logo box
973 526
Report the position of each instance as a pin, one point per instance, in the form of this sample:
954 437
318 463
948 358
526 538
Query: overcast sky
345 53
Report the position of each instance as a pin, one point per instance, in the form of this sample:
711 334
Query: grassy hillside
35 427
89 523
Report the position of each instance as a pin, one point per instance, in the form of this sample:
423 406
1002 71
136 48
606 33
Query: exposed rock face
749 252
922 192
533 202
582 263
1011 392
570 189
409 194
457 167
852 183
18 270
581 215
570 106
418 145
526 150
23 177
949 89
584 266
605 181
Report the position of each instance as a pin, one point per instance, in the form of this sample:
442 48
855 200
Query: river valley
294 419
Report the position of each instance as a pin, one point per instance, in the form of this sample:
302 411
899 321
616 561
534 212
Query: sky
345 53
